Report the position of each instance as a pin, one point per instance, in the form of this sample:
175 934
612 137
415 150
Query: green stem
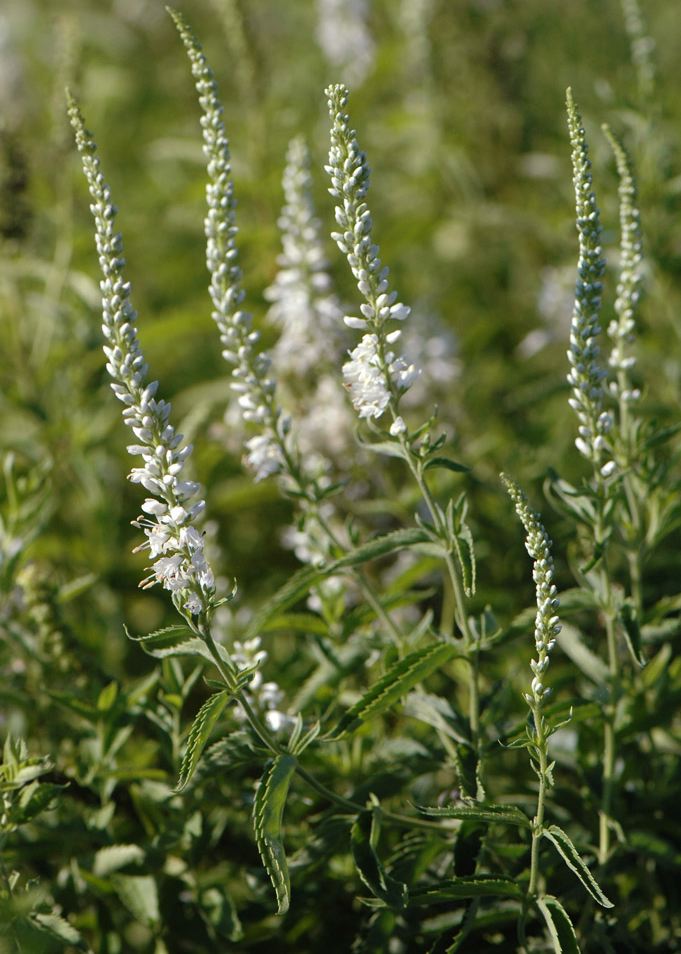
609 748
538 822
271 743
609 742
471 647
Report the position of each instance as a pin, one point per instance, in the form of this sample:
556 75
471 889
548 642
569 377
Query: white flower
365 380
303 303
171 572
264 456
398 427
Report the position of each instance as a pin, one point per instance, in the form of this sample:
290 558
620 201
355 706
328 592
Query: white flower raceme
547 624
252 382
586 374
375 375
303 303
169 514
622 330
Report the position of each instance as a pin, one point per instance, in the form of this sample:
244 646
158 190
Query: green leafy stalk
546 628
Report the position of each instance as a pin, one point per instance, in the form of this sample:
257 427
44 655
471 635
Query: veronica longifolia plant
376 377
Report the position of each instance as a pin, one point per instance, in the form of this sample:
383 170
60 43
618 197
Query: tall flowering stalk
375 376
628 295
169 515
586 374
546 629
273 450
252 382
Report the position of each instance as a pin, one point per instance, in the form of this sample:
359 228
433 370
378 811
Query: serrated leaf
57 927
477 886
199 734
268 811
114 857
363 841
575 863
171 641
140 896
378 547
397 682
505 814
465 554
560 928
447 464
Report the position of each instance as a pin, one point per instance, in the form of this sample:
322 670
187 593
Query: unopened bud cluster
252 382
374 375
622 330
169 514
546 624
586 374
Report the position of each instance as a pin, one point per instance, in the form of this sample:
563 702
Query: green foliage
268 811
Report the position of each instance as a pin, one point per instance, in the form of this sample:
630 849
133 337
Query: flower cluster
252 382
586 375
367 381
266 696
349 174
546 624
621 330
303 302
170 513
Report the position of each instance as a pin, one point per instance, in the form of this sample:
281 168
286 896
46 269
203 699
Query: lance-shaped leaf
477 886
268 810
399 679
632 632
561 930
505 814
575 863
56 928
114 857
199 734
363 841
299 584
172 641
447 464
